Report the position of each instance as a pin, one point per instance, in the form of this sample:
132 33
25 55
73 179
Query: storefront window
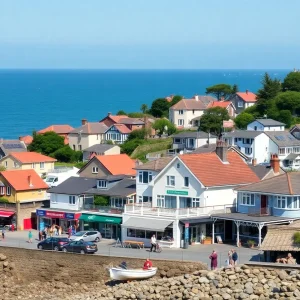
142 234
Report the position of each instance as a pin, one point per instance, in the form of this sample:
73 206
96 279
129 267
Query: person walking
153 243
29 236
3 233
234 257
69 232
230 261
59 230
213 260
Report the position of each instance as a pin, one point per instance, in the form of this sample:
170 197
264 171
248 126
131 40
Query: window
296 202
2 190
72 200
171 180
8 191
177 141
239 139
248 150
180 112
33 165
145 177
166 201
186 182
289 150
247 199
193 111
240 104
180 122
297 150
80 148
15 164
145 199
282 151
255 128
160 200
247 141
118 202
53 198
5 164
95 170
178 166
235 140
102 184
74 147
42 165
281 202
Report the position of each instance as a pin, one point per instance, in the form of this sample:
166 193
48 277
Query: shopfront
7 217
109 226
64 219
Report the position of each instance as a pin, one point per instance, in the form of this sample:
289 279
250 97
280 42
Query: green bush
297 237
101 200
4 200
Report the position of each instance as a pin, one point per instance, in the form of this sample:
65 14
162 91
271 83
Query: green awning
101 219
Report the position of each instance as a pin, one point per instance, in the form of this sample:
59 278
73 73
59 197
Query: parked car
87 236
53 243
80 247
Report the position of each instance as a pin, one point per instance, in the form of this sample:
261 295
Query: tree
175 100
164 126
243 119
66 154
46 143
285 116
270 89
221 90
144 108
2 168
235 89
289 101
101 200
212 120
159 108
138 134
129 146
292 82
121 113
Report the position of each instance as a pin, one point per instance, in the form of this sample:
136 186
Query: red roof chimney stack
84 121
247 92
275 163
29 180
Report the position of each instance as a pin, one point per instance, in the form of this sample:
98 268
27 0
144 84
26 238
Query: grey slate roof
99 148
9 146
123 188
155 165
74 186
285 184
131 121
91 128
283 138
269 122
263 171
193 134
243 134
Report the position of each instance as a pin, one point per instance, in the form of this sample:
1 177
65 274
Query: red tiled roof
122 128
247 96
59 129
31 157
20 180
27 139
117 119
211 171
118 164
223 104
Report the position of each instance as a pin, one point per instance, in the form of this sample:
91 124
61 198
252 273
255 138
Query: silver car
87 236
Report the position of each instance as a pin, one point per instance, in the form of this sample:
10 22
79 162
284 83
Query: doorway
263 205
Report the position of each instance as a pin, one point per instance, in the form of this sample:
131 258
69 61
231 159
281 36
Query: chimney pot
275 163
109 114
254 162
247 92
221 150
196 97
84 121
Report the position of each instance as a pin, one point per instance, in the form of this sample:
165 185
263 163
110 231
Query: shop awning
6 213
147 224
196 220
100 219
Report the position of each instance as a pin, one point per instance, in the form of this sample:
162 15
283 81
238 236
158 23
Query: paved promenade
107 248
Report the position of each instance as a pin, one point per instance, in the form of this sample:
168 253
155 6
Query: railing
103 209
181 212
261 211
8 205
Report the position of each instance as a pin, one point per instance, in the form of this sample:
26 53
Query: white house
184 194
187 112
266 125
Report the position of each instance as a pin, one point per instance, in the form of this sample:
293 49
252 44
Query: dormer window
95 170
102 184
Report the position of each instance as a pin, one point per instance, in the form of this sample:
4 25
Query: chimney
29 180
275 163
196 97
247 92
222 99
20 138
254 162
221 150
109 114
84 121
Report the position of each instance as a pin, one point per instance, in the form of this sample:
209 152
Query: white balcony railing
141 210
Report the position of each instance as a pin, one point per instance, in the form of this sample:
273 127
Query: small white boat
117 273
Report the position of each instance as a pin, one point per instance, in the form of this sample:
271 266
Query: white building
266 125
185 193
187 112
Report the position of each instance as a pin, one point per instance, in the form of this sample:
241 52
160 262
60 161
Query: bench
129 244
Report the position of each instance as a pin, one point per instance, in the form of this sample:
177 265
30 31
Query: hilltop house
187 112
26 139
8 146
42 164
104 165
61 130
87 135
25 191
243 100
186 193
228 105
265 125
100 149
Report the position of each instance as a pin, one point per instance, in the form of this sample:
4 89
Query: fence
103 209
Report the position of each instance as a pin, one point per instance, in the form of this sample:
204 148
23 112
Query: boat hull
125 274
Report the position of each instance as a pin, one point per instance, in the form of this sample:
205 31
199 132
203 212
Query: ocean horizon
32 99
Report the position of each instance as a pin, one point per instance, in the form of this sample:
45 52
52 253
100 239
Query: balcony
103 209
177 212
259 212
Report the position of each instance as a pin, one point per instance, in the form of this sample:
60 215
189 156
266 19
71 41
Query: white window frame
16 165
72 200
248 150
5 164
248 199
186 183
296 150
177 141
33 165
180 122
148 177
289 150
95 170
42 165
180 112
240 104
2 190
8 191
54 198
102 184
160 201
281 151
196 202
170 180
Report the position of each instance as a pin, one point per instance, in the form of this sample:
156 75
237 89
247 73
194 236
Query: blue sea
34 99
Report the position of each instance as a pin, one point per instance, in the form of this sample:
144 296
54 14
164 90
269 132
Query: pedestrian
230 261
12 228
69 232
29 236
153 243
59 230
234 257
55 231
3 233
213 260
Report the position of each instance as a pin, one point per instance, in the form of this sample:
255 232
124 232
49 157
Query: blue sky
157 34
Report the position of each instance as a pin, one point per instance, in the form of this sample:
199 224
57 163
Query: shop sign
91 218
54 214
69 216
40 213
174 192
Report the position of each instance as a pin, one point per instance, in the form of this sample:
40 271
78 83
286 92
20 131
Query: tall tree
243 119
164 126
212 119
144 108
175 100
221 90
160 108
270 88
292 82
289 101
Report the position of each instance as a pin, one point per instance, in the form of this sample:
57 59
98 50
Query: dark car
80 247
53 243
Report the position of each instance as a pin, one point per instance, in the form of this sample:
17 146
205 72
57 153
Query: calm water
31 100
